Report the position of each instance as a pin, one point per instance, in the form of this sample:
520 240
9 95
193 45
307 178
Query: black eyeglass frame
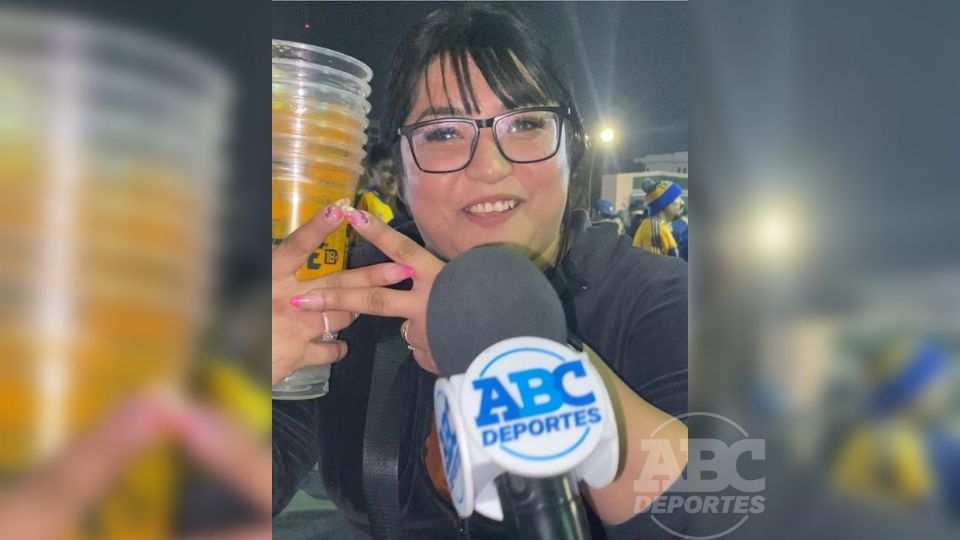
564 113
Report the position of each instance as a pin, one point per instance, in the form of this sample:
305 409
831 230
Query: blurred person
901 453
664 203
681 232
465 82
637 211
52 502
378 194
603 215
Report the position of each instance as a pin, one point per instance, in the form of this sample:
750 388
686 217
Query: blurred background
825 309
132 257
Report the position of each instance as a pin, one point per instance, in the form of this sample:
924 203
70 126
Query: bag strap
389 384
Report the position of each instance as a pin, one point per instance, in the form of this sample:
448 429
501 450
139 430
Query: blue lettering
566 420
553 424
494 396
580 417
529 393
575 368
594 414
505 434
519 429
489 437
536 426
447 437
452 469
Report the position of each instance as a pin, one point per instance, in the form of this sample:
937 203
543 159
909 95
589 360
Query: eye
441 132
527 123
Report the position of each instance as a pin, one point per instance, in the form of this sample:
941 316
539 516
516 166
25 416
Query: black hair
510 53
512 56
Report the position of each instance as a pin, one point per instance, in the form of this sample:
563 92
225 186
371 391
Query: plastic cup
319 110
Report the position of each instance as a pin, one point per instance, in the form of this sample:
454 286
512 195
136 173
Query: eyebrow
439 111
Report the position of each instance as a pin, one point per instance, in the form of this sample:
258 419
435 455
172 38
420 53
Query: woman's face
449 208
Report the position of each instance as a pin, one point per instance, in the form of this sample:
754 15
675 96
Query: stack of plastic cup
111 146
319 115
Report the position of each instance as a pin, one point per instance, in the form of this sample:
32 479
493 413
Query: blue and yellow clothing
891 457
655 235
885 463
662 196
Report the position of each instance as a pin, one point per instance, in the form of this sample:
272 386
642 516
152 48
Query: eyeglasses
523 136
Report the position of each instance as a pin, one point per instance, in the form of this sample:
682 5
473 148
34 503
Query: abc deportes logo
533 404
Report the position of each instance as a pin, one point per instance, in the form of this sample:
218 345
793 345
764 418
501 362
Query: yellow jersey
655 235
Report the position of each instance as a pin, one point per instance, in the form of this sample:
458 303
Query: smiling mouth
488 208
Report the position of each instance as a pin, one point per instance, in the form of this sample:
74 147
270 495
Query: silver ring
327 335
403 333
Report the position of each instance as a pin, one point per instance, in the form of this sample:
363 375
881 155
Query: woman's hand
298 334
379 300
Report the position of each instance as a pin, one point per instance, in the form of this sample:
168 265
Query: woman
488 137
664 203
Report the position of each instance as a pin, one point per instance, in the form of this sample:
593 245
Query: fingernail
334 212
358 218
312 300
342 202
398 272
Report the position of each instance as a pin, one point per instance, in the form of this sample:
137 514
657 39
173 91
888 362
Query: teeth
489 208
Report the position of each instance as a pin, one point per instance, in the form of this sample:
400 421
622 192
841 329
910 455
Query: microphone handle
543 508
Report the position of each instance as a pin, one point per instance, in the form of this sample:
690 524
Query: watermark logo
714 481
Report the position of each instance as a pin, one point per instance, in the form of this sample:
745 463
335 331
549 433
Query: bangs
515 83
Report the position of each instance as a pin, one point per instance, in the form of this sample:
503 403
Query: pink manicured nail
358 218
407 270
333 212
311 300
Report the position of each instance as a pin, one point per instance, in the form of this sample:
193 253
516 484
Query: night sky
628 60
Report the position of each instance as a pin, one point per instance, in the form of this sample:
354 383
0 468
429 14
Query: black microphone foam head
485 295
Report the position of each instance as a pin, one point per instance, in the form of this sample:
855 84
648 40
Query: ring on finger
327 335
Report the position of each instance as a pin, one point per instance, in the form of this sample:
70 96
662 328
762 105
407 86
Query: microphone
521 417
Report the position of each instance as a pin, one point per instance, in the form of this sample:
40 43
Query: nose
488 164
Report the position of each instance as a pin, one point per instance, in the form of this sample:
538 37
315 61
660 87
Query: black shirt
628 305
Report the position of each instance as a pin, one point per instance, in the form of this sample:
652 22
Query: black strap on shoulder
389 386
